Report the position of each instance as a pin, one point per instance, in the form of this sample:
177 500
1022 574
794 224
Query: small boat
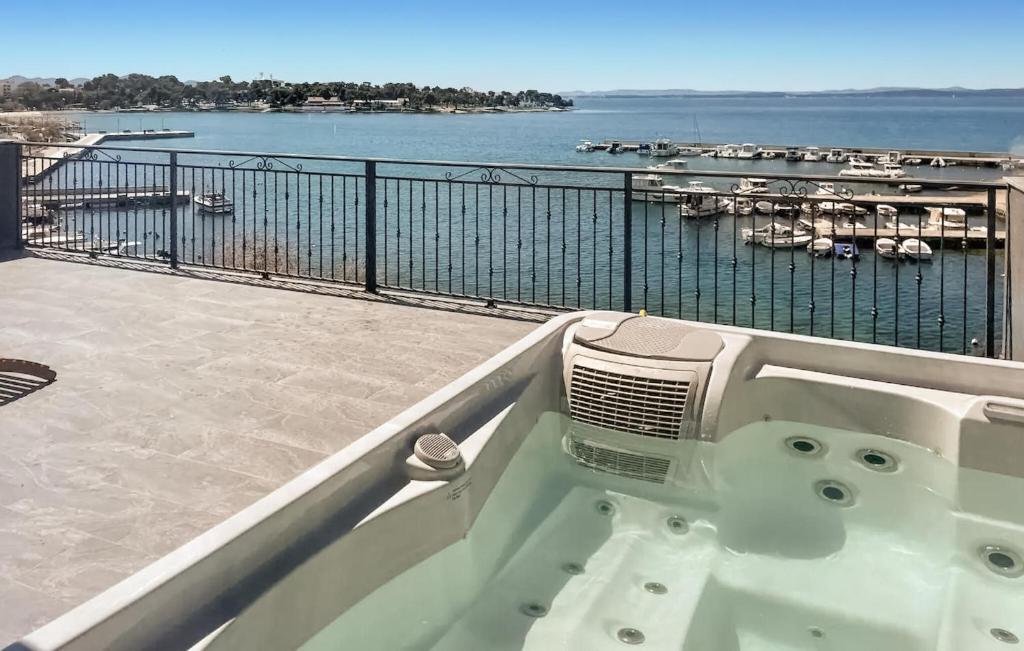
699 200
769 155
729 151
886 211
749 151
938 162
912 161
214 202
893 171
663 148
786 209
889 248
615 148
764 207
836 155
955 218
651 187
585 146
779 235
910 188
917 250
851 209
847 251
741 206
813 155
794 240
710 154
689 151
793 155
820 247
752 186
674 165
891 158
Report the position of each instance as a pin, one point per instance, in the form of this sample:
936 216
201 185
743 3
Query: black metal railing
554 236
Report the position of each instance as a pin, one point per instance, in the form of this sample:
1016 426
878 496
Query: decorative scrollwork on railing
492 175
92 155
265 164
797 189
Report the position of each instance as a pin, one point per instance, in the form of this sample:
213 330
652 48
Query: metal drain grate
628 403
625 464
19 377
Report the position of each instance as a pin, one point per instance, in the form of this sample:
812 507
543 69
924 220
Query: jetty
870 154
126 197
46 160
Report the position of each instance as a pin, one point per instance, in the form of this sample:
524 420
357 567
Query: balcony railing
543 235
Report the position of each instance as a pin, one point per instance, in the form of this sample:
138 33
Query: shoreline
475 110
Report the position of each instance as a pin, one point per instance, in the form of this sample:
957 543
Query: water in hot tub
781 536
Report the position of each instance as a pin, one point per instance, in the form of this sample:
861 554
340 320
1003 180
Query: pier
870 154
78 198
49 159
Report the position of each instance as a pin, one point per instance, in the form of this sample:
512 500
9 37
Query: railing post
627 242
990 274
10 196
371 226
1013 256
173 251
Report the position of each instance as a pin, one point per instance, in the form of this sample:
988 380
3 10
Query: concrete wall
10 195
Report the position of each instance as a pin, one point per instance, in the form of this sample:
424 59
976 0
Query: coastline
472 110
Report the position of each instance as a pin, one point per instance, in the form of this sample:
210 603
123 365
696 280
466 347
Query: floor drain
655 588
804 446
572 568
1004 635
630 636
1003 561
677 524
877 460
835 492
533 609
604 507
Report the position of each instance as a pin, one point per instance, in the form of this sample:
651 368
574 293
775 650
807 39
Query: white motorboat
826 189
794 240
820 247
836 155
764 207
889 248
786 209
585 146
793 155
214 203
917 250
813 155
818 207
750 151
893 171
700 200
615 148
955 218
769 155
911 161
651 187
689 151
885 211
663 148
710 154
776 233
742 206
669 166
865 169
891 158
910 188
851 209
729 151
752 186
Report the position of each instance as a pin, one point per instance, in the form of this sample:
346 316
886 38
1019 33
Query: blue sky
553 45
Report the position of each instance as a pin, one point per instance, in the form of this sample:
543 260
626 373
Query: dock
80 198
870 154
46 160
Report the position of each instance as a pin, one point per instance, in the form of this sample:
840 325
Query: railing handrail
591 169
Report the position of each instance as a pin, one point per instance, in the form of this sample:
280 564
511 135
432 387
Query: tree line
111 91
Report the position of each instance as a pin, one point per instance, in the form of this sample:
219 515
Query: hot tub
616 481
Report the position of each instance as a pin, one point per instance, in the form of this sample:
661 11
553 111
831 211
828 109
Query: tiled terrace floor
179 401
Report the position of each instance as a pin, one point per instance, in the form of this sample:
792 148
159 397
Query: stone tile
180 401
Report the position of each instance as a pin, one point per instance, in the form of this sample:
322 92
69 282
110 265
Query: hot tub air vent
647 406
619 462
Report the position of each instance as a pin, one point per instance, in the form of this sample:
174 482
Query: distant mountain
883 91
17 80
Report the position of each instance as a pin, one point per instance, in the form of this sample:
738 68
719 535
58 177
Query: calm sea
683 268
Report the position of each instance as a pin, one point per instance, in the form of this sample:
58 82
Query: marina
749 151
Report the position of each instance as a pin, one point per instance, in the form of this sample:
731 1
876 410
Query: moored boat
820 247
847 251
888 248
585 146
214 202
917 249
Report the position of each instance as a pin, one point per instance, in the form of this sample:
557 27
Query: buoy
974 341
